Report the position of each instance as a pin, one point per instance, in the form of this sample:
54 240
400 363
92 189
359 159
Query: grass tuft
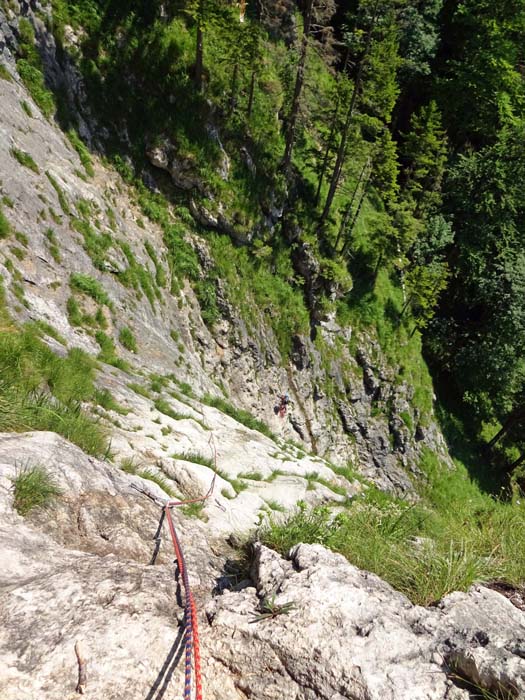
25 159
90 286
238 414
194 457
127 339
34 487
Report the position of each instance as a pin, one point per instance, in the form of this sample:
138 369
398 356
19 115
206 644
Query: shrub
127 339
25 159
33 487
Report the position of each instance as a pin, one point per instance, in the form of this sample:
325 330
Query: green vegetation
82 151
127 339
62 200
22 238
53 244
90 286
164 407
238 414
137 276
33 487
29 66
457 535
95 244
108 353
42 391
139 389
45 328
158 479
104 398
5 74
160 275
5 227
27 109
25 159
195 510
252 476
130 466
195 457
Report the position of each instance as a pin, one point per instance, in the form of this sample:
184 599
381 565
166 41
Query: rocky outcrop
80 571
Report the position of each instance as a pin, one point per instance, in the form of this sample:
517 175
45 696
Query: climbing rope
191 629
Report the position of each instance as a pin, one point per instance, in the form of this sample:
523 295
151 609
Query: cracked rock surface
79 571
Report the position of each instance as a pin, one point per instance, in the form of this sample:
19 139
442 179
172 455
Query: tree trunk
354 220
233 93
199 49
501 432
325 159
346 217
341 151
251 95
517 462
331 136
299 80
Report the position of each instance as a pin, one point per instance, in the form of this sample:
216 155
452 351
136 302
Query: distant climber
281 408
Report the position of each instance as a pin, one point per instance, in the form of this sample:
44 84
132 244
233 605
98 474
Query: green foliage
53 244
42 391
238 414
160 275
34 487
43 327
164 407
5 74
95 244
127 339
25 159
139 389
29 67
136 275
82 151
104 398
26 108
468 537
158 479
5 227
108 353
194 457
90 286
60 193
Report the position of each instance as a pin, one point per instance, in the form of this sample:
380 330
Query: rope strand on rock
191 628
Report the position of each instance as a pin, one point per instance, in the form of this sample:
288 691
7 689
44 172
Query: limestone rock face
350 635
80 571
